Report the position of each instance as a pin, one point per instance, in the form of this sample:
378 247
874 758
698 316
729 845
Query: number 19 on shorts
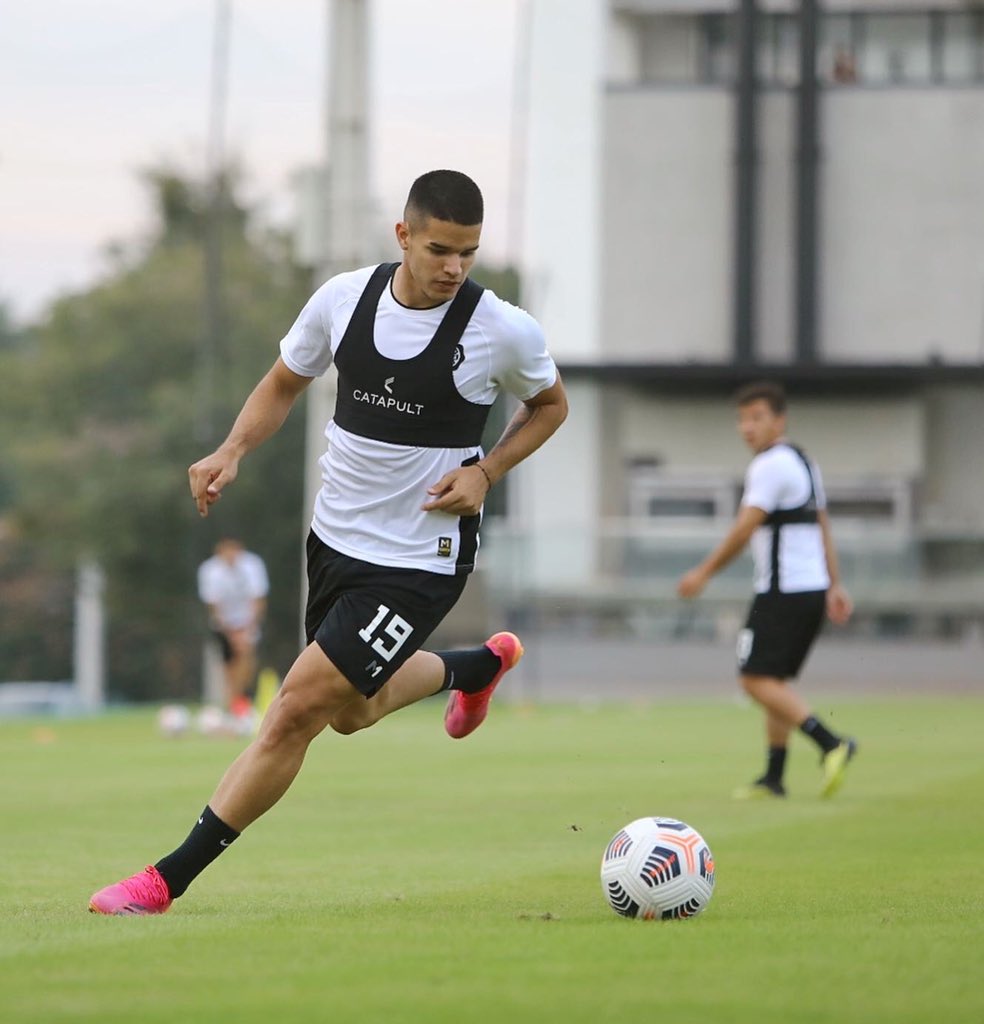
396 629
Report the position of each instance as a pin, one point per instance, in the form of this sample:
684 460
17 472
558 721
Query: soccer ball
657 868
173 720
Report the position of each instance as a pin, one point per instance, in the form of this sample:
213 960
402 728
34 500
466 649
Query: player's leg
420 676
313 691
241 672
374 633
471 675
781 705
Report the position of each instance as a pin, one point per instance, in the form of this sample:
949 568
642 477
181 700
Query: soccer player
421 353
233 585
783 513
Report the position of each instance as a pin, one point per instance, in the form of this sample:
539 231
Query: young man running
421 353
797 578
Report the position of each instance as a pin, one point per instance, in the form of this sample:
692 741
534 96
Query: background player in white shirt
233 585
421 353
797 578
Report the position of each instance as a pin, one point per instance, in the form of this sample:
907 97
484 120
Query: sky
93 91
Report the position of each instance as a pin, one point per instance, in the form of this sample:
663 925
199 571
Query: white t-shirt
369 503
233 588
777 479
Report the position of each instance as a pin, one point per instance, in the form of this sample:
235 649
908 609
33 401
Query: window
657 494
896 49
962 47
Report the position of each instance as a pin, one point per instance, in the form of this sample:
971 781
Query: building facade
716 192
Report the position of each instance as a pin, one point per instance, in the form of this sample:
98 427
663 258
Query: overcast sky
93 90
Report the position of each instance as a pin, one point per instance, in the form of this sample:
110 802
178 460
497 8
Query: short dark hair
769 391
446 195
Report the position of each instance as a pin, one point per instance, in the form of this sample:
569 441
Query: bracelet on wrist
488 479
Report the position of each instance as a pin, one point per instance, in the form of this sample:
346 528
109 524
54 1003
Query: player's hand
691 583
208 476
839 605
459 493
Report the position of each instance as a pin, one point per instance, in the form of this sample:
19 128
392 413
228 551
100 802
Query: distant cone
267 685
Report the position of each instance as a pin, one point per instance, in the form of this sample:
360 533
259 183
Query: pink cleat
143 893
466 711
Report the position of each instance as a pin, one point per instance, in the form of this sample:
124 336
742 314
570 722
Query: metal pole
89 653
807 176
746 184
347 233
215 188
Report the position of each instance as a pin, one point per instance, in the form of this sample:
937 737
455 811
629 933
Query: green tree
101 408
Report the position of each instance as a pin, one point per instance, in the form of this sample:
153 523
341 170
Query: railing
623 574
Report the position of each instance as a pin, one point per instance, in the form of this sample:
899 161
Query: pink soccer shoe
143 893
466 711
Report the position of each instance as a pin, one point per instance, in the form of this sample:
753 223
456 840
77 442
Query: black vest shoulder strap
459 313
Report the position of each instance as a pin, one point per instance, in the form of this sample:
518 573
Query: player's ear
403 234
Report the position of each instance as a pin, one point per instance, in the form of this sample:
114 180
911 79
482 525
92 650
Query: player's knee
351 719
752 685
292 719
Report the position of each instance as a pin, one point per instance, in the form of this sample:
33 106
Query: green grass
409 878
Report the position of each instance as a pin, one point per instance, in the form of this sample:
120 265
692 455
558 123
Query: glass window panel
836 59
896 48
963 47
787 49
719 47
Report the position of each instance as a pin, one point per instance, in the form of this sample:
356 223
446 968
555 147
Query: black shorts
370 618
224 646
779 633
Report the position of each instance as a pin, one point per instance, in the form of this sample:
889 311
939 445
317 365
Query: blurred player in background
233 585
422 353
797 579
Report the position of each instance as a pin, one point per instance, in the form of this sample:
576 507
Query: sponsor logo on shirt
444 547
387 401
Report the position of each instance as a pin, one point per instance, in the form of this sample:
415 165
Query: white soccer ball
173 720
657 868
212 721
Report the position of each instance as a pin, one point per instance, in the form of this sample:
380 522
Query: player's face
437 256
759 426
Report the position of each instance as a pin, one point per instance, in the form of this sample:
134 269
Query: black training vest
406 401
805 513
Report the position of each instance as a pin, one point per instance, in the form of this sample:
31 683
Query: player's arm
462 491
749 519
533 422
261 416
839 604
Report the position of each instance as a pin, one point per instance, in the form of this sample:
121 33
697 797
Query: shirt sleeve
259 581
521 364
763 485
306 348
206 584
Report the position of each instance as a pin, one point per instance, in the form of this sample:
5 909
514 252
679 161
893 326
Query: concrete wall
903 225
776 226
851 438
666 264
953 492
562 190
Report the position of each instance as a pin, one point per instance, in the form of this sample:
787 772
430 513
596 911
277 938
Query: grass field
409 878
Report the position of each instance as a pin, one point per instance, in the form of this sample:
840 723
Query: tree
98 414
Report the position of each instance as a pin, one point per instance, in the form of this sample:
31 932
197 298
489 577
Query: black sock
205 842
821 736
775 765
469 671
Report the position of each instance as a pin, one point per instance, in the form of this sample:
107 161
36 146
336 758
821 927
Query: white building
680 239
